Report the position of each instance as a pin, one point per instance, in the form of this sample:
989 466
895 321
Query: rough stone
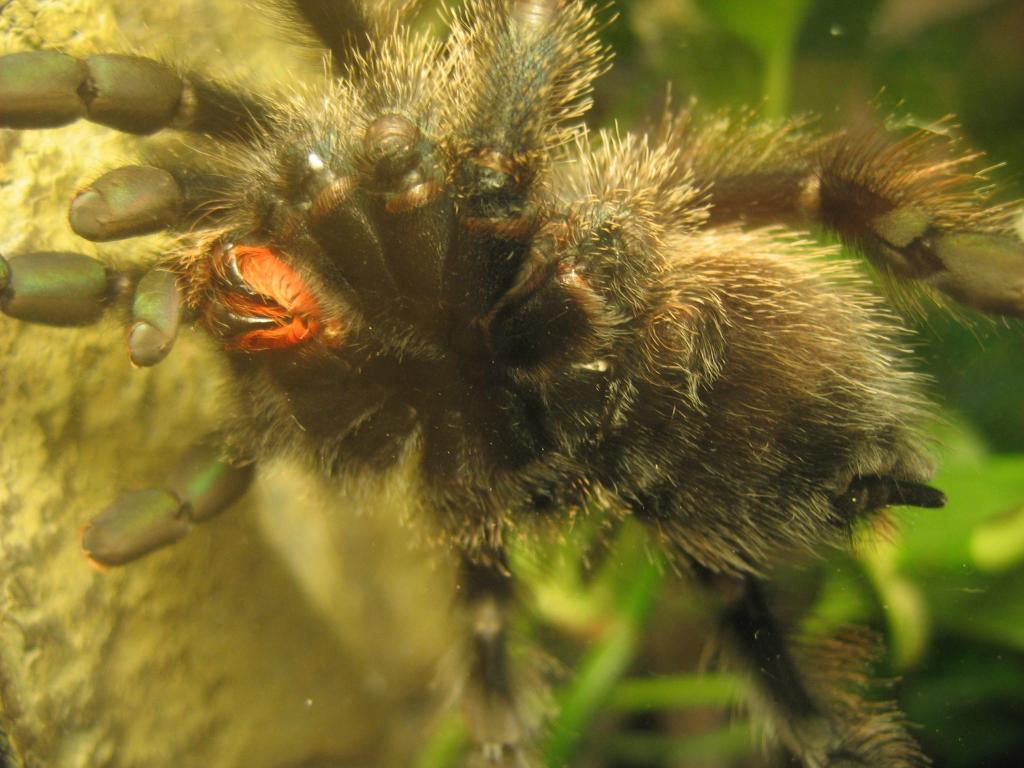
276 635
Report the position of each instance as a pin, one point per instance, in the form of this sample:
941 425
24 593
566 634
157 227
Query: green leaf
982 491
765 25
906 612
770 27
998 544
982 607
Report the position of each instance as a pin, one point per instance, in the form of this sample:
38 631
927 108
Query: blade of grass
729 743
676 692
607 661
446 746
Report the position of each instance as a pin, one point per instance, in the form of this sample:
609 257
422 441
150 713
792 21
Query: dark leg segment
912 206
492 716
526 81
46 89
813 699
57 288
342 27
756 637
347 28
201 486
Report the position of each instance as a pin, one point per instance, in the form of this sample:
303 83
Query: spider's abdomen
776 384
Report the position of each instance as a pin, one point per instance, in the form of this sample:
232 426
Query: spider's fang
233 276
129 201
263 304
229 324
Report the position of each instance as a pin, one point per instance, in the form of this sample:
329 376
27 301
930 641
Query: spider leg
490 702
813 697
911 205
201 486
717 427
914 211
174 192
524 70
133 94
72 289
758 645
56 288
341 27
346 28
814 704
125 202
155 317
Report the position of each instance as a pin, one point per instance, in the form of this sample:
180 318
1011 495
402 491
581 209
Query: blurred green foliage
946 587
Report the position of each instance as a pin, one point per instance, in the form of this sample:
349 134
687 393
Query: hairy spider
425 261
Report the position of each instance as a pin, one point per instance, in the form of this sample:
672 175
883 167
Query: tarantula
427 258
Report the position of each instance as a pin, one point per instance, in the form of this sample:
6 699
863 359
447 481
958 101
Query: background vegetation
946 589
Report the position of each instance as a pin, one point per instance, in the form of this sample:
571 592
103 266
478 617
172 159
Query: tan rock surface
277 635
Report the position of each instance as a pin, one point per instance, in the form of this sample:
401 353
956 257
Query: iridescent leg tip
135 525
141 522
156 312
147 345
982 270
129 201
